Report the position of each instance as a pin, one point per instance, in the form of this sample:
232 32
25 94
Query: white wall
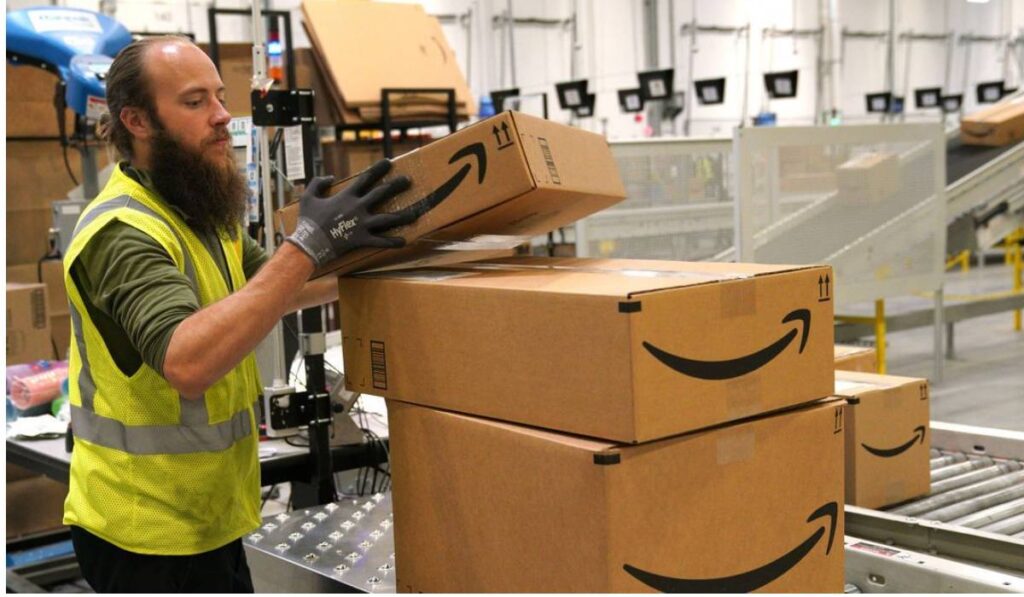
610 49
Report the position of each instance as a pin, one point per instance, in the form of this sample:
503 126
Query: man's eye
193 103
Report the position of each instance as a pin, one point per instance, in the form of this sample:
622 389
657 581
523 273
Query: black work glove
329 227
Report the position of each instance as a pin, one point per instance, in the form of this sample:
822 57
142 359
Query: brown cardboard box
511 174
28 235
52 276
408 47
17 473
887 440
626 350
34 505
1001 124
36 174
869 177
820 182
343 159
754 506
28 325
856 358
30 110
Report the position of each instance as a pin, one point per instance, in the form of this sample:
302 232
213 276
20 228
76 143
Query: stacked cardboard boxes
605 425
589 425
887 438
856 358
28 325
51 273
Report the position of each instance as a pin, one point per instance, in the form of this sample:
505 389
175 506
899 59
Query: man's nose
221 116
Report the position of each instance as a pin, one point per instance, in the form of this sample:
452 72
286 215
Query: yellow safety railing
963 259
1013 257
878 321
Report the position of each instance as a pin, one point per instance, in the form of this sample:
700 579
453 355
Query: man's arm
211 342
315 293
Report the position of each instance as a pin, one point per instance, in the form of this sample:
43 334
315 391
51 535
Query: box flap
854 383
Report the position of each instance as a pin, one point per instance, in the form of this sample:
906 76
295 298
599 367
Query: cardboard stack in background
28 324
887 438
36 174
495 183
58 308
856 358
406 49
1001 124
605 425
35 504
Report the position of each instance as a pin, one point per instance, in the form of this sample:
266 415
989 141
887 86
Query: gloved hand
329 227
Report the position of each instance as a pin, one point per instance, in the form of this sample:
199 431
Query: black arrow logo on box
498 132
919 433
750 580
438 195
740 366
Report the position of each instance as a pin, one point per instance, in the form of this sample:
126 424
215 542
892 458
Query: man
169 297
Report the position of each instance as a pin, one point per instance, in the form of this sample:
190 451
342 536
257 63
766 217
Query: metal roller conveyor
935 502
975 476
1013 525
940 460
991 516
952 470
948 513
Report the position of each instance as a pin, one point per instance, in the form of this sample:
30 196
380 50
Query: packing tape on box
743 397
737 300
483 242
636 273
735 446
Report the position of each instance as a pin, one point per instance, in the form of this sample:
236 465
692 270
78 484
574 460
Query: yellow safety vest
153 472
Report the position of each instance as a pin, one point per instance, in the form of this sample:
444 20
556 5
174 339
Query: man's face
189 98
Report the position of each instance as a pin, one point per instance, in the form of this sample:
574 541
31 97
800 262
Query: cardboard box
856 358
626 350
60 332
34 505
28 324
754 506
28 235
52 272
344 159
869 177
1001 124
509 175
820 182
887 439
408 47
30 109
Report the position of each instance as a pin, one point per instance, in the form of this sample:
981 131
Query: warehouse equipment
77 45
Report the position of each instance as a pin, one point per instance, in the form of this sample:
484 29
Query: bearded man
169 297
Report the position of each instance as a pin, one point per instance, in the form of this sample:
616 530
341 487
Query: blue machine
77 45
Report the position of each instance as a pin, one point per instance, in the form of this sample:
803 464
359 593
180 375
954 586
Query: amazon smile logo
438 195
751 580
919 433
731 368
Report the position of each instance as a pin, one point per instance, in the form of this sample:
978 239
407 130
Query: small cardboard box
754 506
1001 124
856 358
30 109
626 350
28 324
869 177
887 440
511 175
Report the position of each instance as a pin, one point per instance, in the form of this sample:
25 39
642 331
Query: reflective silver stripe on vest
126 202
159 439
194 434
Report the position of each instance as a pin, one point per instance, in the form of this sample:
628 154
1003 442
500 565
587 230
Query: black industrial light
927 97
586 109
674 106
1009 91
710 91
952 103
630 100
879 102
990 92
656 84
781 84
571 94
498 97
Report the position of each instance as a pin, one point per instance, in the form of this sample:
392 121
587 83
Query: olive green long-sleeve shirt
134 292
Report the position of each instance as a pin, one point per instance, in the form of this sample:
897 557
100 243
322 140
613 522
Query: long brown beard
211 194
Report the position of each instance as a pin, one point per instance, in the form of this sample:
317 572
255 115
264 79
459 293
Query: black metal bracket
277 107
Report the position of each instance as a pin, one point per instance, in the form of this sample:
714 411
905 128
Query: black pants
110 569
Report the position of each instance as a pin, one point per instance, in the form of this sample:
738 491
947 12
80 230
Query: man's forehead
176 67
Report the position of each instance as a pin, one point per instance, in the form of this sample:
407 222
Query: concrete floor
984 383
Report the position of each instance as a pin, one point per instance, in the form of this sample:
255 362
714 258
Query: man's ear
137 122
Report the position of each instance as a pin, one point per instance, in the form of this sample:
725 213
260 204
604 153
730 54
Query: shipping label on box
512 175
627 350
887 440
754 506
